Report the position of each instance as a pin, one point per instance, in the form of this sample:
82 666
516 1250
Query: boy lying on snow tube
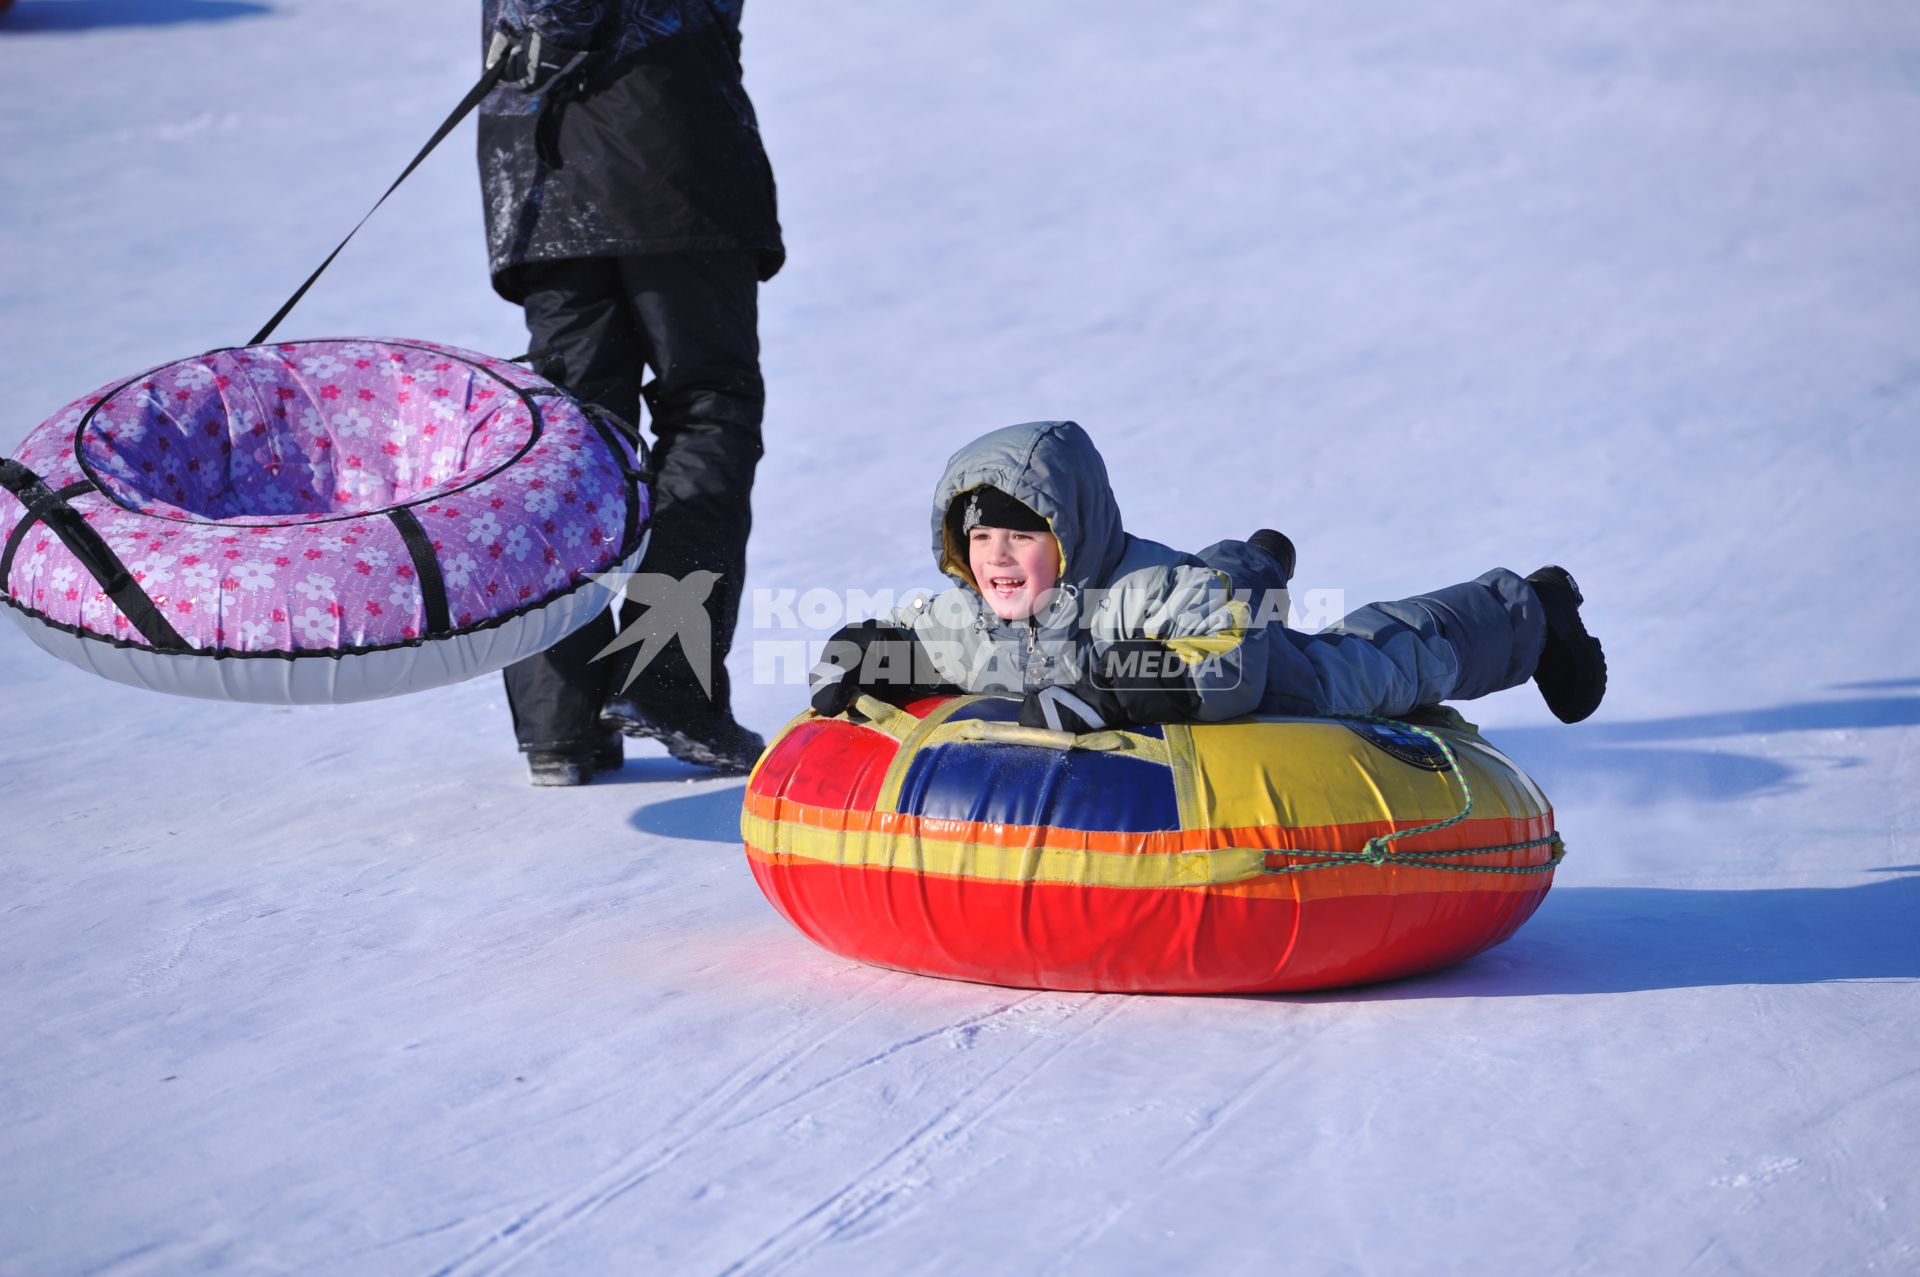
1095 628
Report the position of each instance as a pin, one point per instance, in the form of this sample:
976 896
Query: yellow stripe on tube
882 849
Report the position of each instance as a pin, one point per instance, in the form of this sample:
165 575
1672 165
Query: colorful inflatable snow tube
316 522
1246 856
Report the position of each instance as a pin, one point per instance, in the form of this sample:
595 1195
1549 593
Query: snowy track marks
962 1033
160 973
532 1229
879 1190
1209 1124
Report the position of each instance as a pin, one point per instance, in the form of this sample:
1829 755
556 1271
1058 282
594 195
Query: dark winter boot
556 767
1572 672
706 737
1276 546
553 768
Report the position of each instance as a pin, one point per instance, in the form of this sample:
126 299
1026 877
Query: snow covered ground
1633 286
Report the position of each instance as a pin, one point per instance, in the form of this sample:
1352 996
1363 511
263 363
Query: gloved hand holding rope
532 62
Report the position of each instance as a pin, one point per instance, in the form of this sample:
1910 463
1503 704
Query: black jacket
655 149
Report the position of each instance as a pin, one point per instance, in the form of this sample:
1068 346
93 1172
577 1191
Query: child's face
1013 569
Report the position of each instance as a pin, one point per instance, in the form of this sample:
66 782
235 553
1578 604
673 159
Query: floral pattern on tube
248 492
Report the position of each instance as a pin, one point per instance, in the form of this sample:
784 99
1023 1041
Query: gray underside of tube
322 678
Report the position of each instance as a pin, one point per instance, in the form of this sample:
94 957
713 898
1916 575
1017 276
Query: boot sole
1578 649
688 750
680 745
556 778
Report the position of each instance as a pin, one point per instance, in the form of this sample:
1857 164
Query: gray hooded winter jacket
1223 610
1112 585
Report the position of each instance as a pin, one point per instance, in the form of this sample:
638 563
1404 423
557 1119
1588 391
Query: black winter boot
576 766
1572 673
552 768
1279 547
709 738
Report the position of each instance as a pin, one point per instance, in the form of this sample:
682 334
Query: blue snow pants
1454 644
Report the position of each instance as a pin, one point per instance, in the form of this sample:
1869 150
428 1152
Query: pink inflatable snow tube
316 522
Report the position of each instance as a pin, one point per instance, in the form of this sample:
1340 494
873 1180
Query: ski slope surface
1630 286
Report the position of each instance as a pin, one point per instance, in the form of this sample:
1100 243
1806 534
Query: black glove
1134 681
874 657
1080 708
532 62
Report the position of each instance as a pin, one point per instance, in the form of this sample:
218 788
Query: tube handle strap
91 549
29 520
426 568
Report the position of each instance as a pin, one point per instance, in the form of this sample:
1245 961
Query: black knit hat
988 507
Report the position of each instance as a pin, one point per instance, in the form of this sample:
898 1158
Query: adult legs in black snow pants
600 325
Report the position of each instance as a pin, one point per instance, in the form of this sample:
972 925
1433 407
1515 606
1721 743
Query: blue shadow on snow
1637 762
711 815
28 17
1636 939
